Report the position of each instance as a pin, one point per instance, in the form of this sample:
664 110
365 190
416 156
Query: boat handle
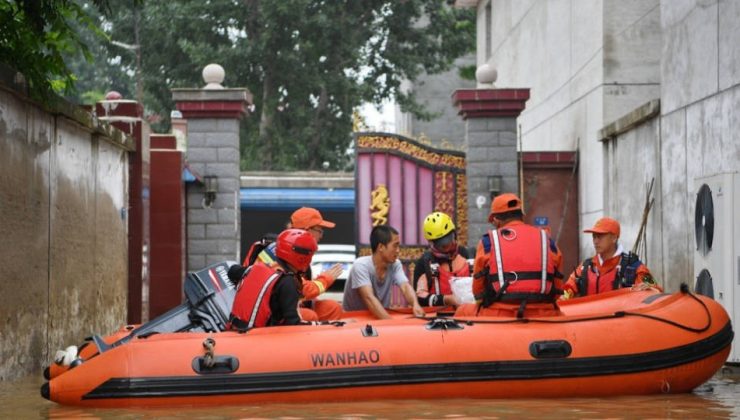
219 364
551 349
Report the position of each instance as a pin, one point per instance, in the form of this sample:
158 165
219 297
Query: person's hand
419 311
567 294
641 286
333 272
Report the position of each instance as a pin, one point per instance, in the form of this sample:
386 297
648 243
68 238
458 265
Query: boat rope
209 360
685 290
618 314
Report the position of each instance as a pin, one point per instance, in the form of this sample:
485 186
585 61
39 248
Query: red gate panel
399 181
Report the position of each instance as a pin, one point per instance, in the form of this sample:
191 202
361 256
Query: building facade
642 90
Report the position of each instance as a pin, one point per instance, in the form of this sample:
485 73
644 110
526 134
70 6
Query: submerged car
328 255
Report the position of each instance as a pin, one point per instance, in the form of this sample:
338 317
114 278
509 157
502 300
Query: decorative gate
399 181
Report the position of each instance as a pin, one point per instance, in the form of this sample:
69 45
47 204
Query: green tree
35 35
309 63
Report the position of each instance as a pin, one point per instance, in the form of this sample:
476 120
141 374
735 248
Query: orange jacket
482 258
313 288
601 276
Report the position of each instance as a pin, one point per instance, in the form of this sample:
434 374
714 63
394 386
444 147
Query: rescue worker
371 278
445 259
515 266
611 268
269 295
312 309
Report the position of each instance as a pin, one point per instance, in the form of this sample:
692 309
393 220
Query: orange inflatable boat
618 343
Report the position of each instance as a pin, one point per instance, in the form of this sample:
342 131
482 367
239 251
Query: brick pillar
491 148
126 115
167 225
213 115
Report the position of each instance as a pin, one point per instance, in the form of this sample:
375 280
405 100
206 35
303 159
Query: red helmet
296 247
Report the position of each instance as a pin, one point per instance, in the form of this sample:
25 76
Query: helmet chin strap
448 256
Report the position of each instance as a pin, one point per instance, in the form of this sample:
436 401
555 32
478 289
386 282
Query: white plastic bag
462 289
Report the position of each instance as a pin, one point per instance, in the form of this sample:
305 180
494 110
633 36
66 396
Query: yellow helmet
437 225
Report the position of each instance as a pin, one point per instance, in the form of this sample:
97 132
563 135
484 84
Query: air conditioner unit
717 251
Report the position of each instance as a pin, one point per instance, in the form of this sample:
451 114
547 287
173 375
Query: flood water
718 398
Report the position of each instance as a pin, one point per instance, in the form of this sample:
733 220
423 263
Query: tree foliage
308 63
35 35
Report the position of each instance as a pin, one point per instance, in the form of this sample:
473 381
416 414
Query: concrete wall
694 136
632 160
632 46
63 189
587 62
700 96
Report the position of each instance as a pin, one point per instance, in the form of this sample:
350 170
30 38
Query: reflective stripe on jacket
520 266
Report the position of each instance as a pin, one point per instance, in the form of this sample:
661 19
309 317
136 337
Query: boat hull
637 343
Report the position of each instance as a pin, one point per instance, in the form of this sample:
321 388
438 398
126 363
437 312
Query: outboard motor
209 295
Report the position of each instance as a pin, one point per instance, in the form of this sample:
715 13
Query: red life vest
520 266
251 308
600 282
440 284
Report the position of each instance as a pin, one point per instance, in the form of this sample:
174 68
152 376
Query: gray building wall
632 160
694 136
63 200
446 130
587 62
700 99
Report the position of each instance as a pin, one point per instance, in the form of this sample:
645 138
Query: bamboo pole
642 233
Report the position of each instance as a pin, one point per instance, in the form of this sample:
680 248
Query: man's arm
410 296
372 303
400 280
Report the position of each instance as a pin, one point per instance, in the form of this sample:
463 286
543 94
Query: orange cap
504 203
605 225
307 217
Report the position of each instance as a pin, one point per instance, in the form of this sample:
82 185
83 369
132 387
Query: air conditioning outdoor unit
717 251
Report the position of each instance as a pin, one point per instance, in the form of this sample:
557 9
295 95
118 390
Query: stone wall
491 151
213 232
213 115
63 200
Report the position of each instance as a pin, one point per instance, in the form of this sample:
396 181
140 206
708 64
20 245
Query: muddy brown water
718 398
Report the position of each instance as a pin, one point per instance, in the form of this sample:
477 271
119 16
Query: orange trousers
321 310
532 310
